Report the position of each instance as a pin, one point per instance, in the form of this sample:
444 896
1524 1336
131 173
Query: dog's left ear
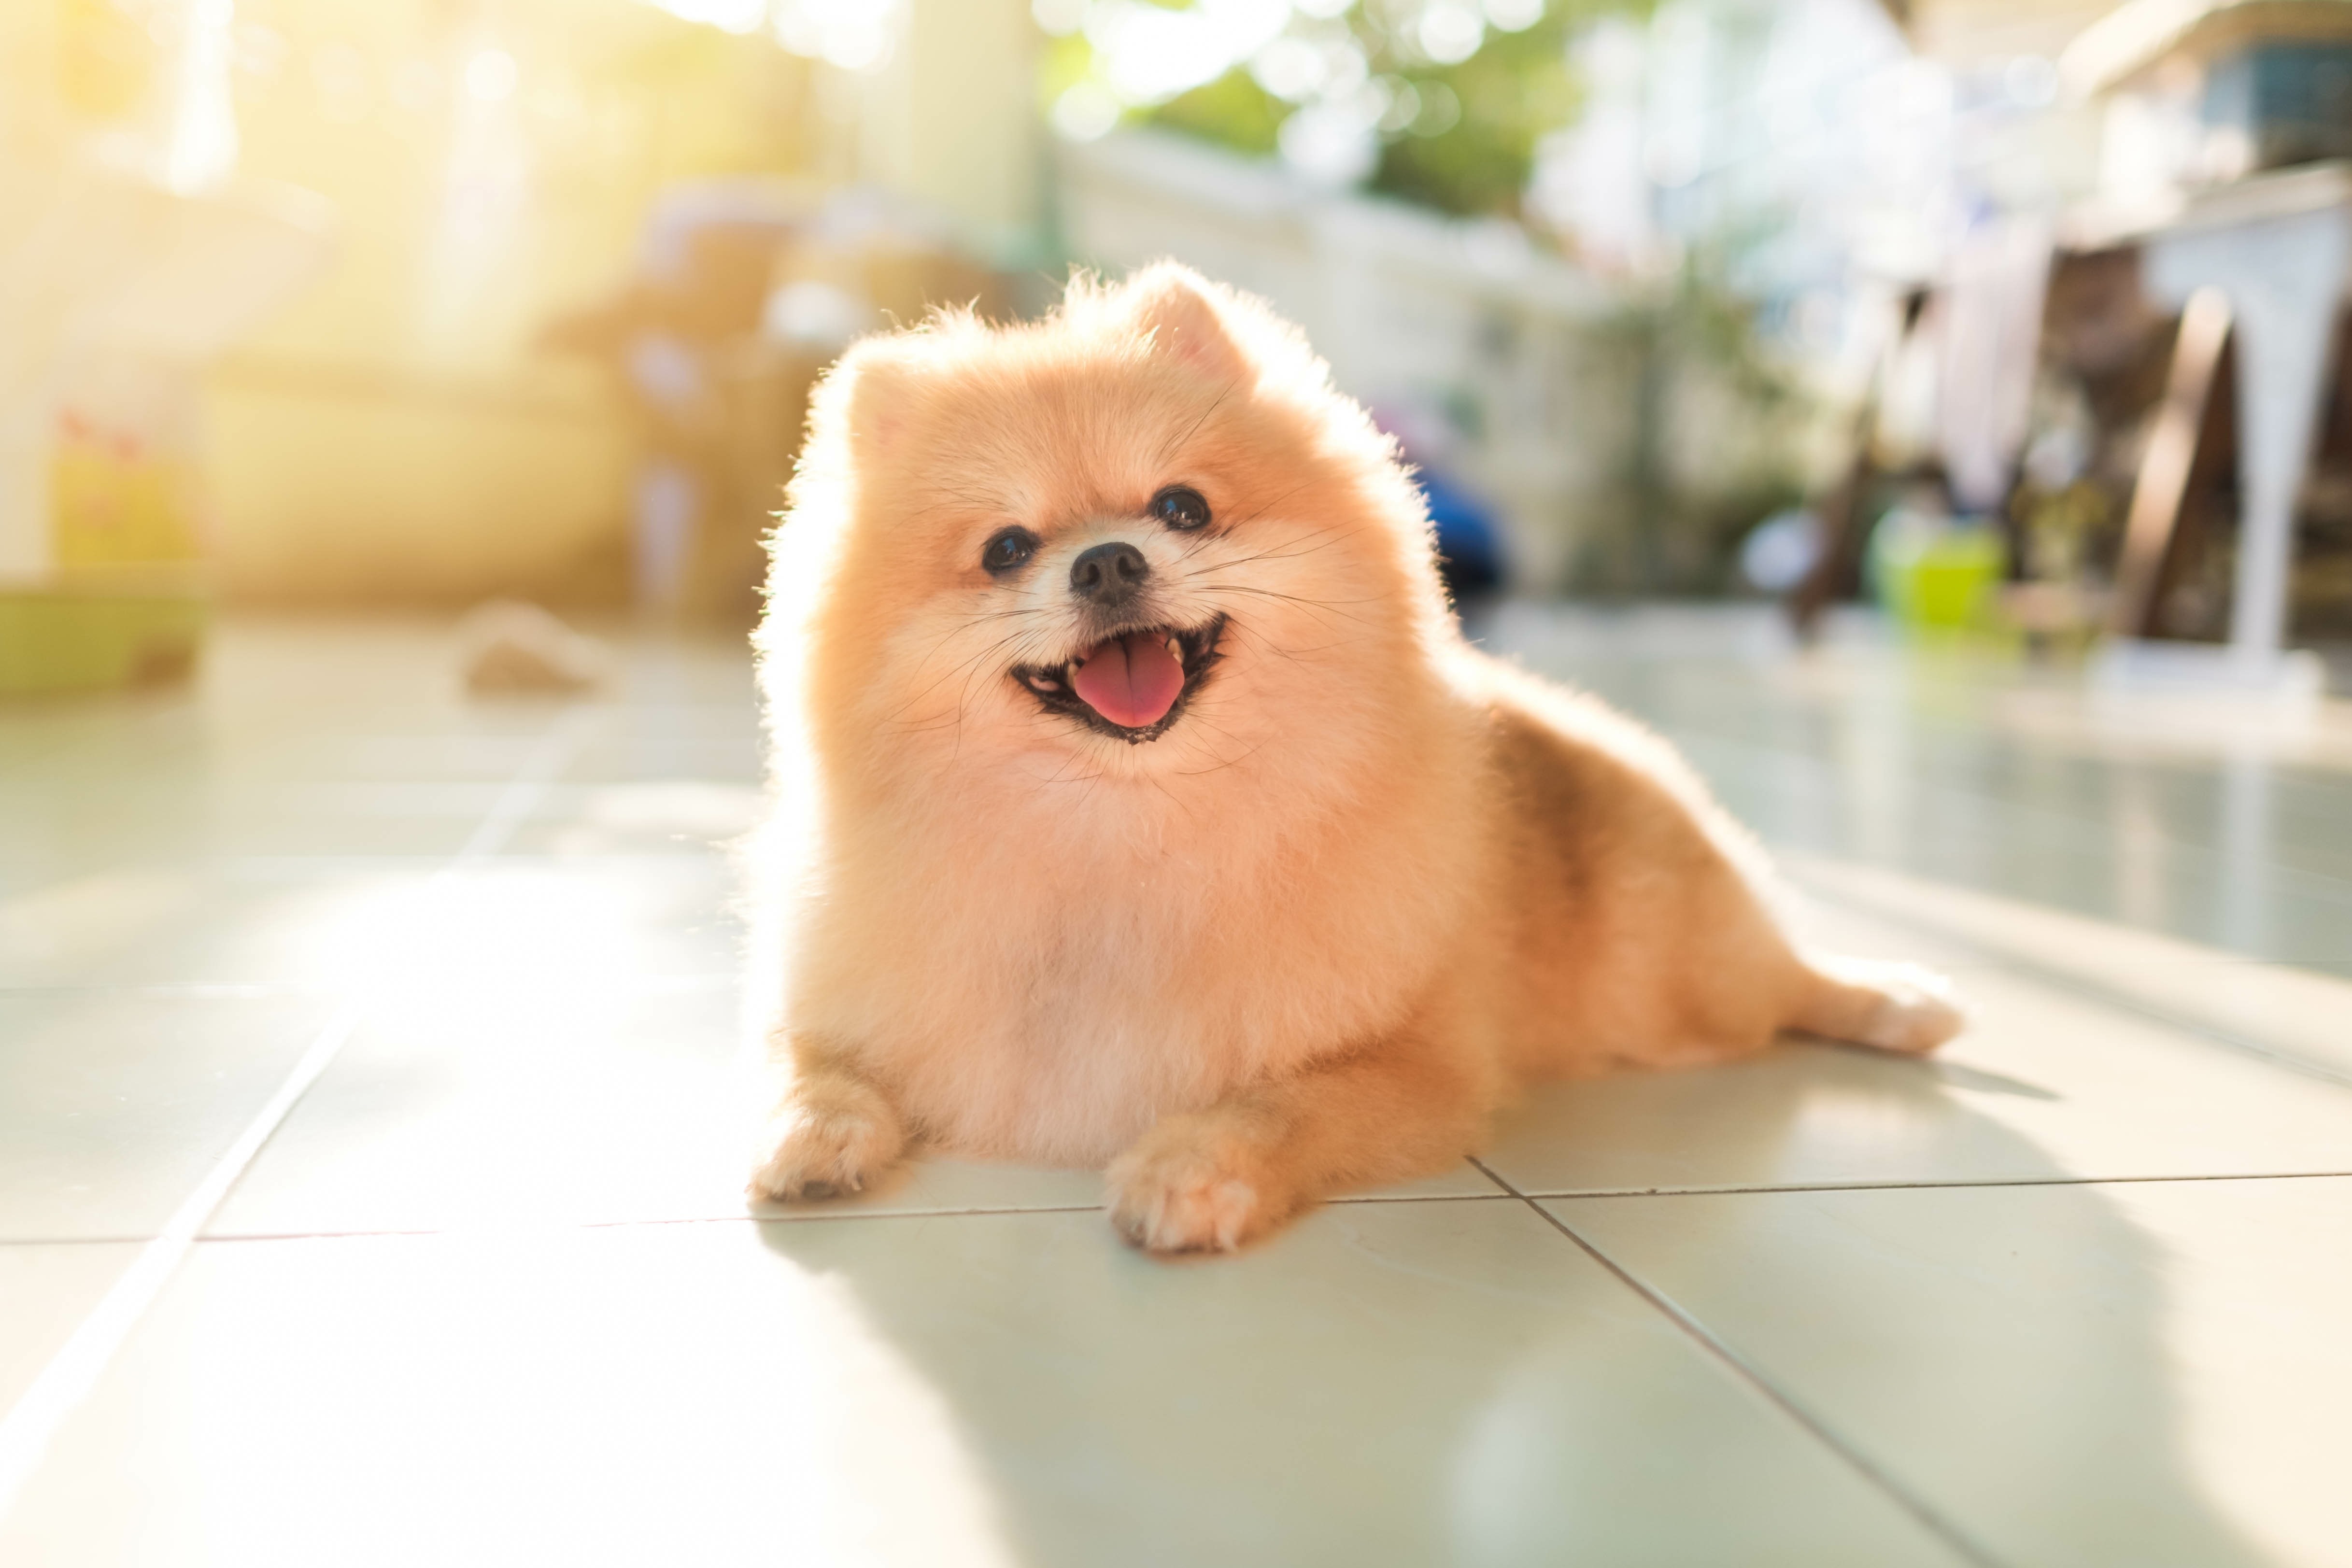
1181 310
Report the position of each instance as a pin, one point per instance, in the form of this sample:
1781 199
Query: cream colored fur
1368 885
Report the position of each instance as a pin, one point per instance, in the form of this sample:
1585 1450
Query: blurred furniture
741 294
2264 260
2160 498
1836 570
2198 91
391 438
2193 320
128 262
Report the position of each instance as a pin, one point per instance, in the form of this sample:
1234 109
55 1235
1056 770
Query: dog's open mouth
1133 685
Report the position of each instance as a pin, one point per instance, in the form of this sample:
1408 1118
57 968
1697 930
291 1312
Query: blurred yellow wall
392 434
369 487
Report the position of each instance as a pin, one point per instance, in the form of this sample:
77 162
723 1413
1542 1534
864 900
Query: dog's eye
1008 549
1180 507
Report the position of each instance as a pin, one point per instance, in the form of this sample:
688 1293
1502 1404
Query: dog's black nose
1110 574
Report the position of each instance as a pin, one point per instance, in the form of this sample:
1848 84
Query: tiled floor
458 978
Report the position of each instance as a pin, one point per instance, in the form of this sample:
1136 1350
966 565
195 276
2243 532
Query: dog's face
1142 538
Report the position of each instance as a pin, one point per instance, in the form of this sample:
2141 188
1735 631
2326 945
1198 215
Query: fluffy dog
1137 802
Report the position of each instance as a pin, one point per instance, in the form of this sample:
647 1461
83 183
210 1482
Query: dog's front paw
1184 1189
826 1142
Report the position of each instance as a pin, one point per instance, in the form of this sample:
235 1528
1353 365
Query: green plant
1233 112
1456 132
1694 352
1513 91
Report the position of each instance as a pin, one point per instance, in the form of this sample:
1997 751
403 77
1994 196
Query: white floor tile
1394 1382
496 1105
113 1106
598 1356
2302 1015
359 923
2046 1085
46 1289
2080 1377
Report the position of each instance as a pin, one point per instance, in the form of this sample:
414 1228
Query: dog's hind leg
1893 1005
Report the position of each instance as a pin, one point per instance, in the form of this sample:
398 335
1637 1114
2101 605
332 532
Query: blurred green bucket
59 638
1933 574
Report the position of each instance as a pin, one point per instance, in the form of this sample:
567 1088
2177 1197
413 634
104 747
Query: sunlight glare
490 75
727 16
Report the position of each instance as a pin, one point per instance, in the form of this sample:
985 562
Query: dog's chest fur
1054 986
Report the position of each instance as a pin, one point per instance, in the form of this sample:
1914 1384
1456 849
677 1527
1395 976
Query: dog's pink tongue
1132 680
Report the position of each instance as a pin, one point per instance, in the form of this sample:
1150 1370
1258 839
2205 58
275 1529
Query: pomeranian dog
1137 802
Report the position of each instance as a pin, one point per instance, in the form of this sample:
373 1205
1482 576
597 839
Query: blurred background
1930 416
2017 320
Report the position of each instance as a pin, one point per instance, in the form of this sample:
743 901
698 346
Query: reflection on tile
483 1103
2077 1375
60 933
671 816
517 924
46 1290
2215 825
1826 925
716 747
360 924
2108 840
1396 1383
85 826
113 1106
240 923
493 1104
2043 1085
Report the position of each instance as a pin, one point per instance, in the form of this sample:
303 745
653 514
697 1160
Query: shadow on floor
1455 1382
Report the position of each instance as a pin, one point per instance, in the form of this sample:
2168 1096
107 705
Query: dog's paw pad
831 1152
1181 1200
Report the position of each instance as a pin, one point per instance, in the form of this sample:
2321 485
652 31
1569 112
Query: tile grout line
2094 990
1944 1530
1933 1186
809 1216
554 753
69 1375
1352 1201
74 1370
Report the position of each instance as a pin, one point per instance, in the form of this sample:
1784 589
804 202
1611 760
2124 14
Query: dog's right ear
872 386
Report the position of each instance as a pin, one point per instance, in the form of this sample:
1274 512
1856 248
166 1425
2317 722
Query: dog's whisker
1314 606
1281 554
1006 641
1170 451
